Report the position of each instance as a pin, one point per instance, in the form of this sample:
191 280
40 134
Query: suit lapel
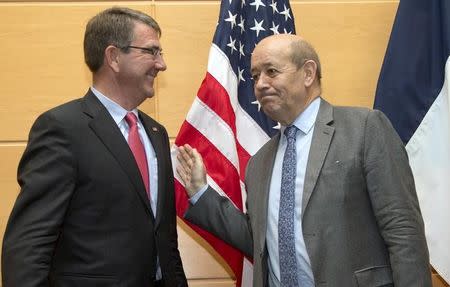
266 162
109 133
323 133
155 135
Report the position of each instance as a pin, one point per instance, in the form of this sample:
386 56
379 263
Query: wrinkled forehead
269 52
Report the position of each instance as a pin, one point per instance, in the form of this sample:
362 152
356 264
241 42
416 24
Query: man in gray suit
331 204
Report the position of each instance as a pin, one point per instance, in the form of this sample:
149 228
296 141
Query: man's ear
310 70
112 56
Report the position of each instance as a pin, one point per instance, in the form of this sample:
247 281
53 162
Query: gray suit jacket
361 219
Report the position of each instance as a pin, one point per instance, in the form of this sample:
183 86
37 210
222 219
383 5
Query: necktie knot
131 119
290 133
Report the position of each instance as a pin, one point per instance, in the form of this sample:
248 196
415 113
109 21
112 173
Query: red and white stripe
226 136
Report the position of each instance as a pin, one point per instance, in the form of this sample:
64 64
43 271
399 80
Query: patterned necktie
137 148
286 236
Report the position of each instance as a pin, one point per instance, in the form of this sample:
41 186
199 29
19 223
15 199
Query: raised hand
191 169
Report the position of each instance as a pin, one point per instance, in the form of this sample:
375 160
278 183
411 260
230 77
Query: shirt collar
117 112
305 121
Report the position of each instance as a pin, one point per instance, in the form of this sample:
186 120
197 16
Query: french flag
413 91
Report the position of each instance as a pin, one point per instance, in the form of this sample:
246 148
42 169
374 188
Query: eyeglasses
151 51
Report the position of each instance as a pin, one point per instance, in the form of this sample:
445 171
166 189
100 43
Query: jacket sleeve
391 189
46 175
174 263
219 216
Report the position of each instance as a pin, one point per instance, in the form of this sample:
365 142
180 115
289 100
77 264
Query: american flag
226 123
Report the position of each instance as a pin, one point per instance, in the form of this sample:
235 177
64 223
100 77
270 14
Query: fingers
184 176
189 157
197 157
185 159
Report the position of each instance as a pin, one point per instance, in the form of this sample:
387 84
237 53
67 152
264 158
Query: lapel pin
155 129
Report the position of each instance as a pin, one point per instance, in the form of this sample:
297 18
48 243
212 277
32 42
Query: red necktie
137 148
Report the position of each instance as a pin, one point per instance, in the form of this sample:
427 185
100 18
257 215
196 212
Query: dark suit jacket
82 217
360 214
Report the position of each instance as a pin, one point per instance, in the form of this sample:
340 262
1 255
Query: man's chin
150 94
271 110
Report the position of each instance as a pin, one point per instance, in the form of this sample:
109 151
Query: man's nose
261 82
161 64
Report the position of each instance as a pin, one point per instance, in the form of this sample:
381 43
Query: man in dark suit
330 200
96 206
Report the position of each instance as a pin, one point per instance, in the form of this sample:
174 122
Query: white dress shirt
118 113
305 123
